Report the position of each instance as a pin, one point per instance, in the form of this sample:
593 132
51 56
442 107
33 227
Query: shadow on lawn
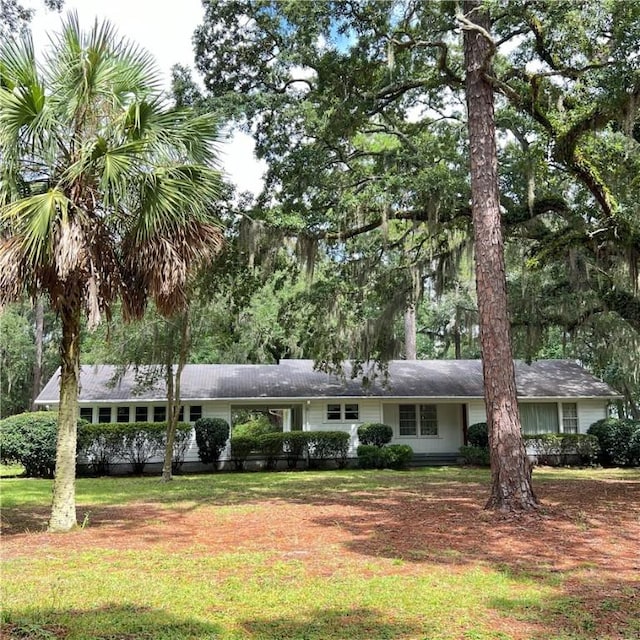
109 622
332 624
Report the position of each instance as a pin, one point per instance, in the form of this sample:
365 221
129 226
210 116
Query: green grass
151 591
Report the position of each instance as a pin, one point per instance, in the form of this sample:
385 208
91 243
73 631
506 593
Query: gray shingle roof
297 379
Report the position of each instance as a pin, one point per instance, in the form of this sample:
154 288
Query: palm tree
106 193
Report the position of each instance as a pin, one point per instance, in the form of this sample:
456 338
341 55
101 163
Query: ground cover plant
324 555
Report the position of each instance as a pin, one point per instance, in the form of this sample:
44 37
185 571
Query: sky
165 29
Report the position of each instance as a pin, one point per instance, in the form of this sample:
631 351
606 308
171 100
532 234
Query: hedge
375 433
563 448
475 455
328 445
29 439
619 442
135 442
478 435
393 456
211 437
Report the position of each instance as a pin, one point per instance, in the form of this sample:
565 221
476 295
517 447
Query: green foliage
393 456
328 445
211 437
370 456
141 441
241 448
398 456
270 445
100 444
563 448
181 441
295 446
478 435
30 439
477 456
618 441
255 426
375 433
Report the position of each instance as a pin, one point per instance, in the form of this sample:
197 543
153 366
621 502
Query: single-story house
428 403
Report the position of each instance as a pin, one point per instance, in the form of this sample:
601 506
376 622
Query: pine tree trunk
511 488
63 508
37 364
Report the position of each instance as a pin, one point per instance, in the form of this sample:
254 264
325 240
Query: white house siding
590 411
449 438
315 418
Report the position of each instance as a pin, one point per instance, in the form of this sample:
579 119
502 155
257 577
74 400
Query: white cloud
165 29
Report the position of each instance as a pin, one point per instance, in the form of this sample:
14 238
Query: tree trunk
511 488
410 330
37 364
173 395
63 508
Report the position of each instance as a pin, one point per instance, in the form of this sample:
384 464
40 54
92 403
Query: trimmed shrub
328 445
563 448
475 456
100 444
141 441
547 446
211 437
397 456
181 443
393 456
478 435
580 446
634 447
241 447
370 456
375 433
270 445
29 439
617 441
294 446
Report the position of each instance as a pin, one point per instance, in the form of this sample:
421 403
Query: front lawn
324 555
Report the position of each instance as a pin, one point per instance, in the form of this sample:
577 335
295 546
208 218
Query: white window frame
337 412
569 418
420 420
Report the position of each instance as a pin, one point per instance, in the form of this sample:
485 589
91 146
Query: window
539 417
123 414
159 414
334 412
351 412
181 415
569 417
104 414
428 420
142 414
195 413
86 413
407 420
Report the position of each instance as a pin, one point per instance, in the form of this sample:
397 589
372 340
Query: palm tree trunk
511 488
173 395
63 508
37 364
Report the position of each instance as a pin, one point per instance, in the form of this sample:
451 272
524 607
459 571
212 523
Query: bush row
101 444
318 447
549 448
29 439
